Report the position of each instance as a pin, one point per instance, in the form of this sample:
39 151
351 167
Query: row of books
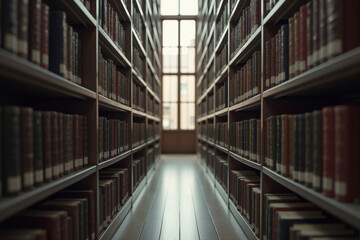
286 216
222 133
221 58
245 139
39 146
269 5
222 95
31 31
202 129
138 61
312 36
138 97
157 129
138 170
317 149
152 130
113 192
113 83
222 22
156 152
69 214
211 103
211 159
138 23
244 191
245 26
211 130
150 104
221 170
203 108
113 138
246 81
156 108
110 21
149 158
138 134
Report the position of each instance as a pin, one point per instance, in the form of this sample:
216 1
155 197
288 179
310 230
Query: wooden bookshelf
332 82
27 84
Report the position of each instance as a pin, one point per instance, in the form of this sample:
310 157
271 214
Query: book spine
308 149
284 53
11 158
61 144
81 142
27 148
297 37
55 145
44 57
70 49
273 142
317 151
323 33
303 38
47 142
35 31
57 43
301 160
38 149
309 35
335 27
85 137
76 147
291 48
278 161
328 151
10 24
284 168
23 18
352 24
291 145
296 148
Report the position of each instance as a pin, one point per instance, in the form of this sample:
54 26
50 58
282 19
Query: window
178 56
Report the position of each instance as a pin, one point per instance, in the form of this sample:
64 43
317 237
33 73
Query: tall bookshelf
331 83
27 84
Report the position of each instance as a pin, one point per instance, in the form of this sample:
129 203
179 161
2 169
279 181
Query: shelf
122 10
139 147
138 189
112 49
116 159
150 173
139 113
244 224
248 48
211 143
111 229
12 205
209 89
282 10
222 74
138 42
137 4
24 78
222 38
324 75
221 112
139 78
245 161
108 104
221 148
153 141
347 212
203 139
204 118
76 12
153 94
218 9
251 103
153 118
239 6
222 191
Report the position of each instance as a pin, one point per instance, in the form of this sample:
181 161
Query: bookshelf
27 84
330 82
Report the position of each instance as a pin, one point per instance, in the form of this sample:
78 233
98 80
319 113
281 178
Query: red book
277 58
328 151
352 25
347 177
303 39
285 145
44 36
61 144
297 37
35 31
23 23
27 146
291 48
47 139
55 144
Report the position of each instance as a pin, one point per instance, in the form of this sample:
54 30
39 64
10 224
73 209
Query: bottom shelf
244 224
138 190
222 192
116 222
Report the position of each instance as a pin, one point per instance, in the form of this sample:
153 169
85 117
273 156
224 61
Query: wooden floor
179 203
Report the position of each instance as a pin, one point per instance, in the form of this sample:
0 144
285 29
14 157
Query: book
309 149
10 25
23 28
34 31
11 149
27 147
317 150
44 36
328 151
55 145
23 234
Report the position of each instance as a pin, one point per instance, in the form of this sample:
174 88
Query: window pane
187 33
170 60
187 60
187 116
170 33
170 116
187 88
169 7
188 7
170 88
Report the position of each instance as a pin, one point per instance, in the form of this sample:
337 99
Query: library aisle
179 203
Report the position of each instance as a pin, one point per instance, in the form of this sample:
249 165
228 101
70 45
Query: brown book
297 47
335 27
44 62
328 151
35 31
27 148
284 167
303 38
291 126
23 27
352 24
51 221
347 178
76 142
47 138
61 144
23 234
273 66
55 144
316 32
309 149
291 47
309 29
294 229
323 51
81 142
